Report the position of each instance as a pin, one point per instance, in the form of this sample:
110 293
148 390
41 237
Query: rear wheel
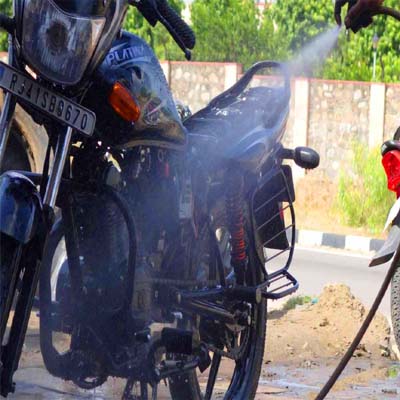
241 375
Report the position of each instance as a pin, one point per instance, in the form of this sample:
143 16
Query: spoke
216 361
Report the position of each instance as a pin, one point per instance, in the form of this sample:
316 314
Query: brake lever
175 36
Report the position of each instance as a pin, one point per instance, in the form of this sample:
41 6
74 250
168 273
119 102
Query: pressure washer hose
349 353
389 11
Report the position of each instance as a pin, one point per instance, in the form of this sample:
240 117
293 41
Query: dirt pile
325 329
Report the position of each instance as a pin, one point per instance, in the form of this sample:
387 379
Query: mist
314 54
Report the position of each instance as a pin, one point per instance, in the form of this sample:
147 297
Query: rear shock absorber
235 214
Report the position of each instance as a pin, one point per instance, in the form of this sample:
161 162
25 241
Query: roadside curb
306 237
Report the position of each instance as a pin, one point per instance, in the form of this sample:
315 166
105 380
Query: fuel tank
132 62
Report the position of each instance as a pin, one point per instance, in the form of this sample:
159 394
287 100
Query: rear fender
20 206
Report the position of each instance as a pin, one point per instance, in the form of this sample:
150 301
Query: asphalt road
314 268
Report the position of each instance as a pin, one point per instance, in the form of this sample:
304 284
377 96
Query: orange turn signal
123 103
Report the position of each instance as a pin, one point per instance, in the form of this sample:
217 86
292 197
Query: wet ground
366 379
277 382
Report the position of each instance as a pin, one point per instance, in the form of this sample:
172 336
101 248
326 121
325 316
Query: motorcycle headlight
57 44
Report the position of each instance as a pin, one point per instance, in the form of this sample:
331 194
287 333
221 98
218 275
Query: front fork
26 268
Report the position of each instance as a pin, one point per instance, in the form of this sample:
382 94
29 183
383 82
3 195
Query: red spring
234 208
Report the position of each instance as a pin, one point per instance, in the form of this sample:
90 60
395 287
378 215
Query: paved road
315 268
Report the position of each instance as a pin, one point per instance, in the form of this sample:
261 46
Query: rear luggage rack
274 228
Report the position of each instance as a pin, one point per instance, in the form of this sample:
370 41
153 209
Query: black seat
255 109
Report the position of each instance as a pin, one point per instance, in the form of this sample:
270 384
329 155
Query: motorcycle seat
390 145
258 112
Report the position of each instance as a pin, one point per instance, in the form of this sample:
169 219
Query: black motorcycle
149 235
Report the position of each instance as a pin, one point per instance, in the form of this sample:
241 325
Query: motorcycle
149 237
390 151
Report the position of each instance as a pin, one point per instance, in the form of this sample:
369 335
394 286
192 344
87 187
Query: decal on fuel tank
119 55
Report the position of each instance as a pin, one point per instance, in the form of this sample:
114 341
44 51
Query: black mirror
305 157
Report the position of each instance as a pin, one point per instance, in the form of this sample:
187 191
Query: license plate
53 104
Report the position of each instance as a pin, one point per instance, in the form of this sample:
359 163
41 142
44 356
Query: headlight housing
56 44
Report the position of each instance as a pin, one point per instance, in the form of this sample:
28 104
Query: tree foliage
352 58
299 21
5 8
158 37
232 30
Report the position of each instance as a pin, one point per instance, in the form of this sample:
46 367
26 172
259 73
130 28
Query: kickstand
144 394
128 395
154 389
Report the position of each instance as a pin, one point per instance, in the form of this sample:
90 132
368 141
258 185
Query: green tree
5 8
352 58
300 21
232 30
158 37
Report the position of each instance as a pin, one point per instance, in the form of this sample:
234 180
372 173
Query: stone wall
338 116
392 110
196 83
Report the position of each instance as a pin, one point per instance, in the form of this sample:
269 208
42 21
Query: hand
359 14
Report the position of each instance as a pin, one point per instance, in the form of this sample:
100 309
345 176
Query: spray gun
360 14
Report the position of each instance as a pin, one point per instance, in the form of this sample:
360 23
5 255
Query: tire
245 380
16 157
8 250
395 304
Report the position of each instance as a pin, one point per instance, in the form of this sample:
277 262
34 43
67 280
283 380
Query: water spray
314 54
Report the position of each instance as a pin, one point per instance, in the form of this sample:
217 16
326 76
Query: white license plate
53 104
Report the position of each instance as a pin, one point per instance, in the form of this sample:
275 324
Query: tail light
391 164
123 103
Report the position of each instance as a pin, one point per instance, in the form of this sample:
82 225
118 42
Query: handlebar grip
177 23
147 10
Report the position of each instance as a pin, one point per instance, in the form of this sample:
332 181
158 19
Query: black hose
388 11
349 353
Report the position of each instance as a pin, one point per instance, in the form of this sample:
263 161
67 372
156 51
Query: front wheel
240 375
395 304
10 254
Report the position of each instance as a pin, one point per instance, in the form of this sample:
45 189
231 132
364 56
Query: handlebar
160 10
183 30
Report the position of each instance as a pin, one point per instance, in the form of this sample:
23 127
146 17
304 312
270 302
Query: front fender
20 206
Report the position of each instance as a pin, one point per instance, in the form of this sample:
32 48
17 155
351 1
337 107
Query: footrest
279 286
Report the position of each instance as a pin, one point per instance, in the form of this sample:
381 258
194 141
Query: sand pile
325 329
